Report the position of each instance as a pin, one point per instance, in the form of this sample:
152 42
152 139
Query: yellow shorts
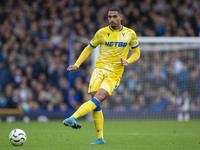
102 78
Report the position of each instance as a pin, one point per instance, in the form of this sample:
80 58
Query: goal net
163 84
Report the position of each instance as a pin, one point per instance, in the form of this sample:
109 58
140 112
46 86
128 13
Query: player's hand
72 68
124 62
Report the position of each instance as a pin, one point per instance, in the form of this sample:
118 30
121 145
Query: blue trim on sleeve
95 102
121 28
98 108
92 45
134 47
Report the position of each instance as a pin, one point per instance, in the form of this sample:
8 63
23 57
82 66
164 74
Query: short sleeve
134 41
96 40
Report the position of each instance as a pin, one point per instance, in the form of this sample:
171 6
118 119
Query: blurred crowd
161 80
34 47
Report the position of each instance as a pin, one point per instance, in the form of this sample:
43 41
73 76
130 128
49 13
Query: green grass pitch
119 135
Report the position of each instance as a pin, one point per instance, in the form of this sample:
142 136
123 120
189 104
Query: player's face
114 19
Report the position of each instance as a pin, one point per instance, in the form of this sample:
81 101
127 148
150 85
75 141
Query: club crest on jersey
123 34
108 34
116 44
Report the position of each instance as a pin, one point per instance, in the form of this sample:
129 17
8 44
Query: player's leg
84 109
98 118
98 123
96 79
110 82
71 122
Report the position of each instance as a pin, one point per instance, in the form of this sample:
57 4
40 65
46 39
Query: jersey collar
113 30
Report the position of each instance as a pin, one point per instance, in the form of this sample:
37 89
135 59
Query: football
17 137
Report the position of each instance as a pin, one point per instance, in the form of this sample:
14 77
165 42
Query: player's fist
124 62
71 68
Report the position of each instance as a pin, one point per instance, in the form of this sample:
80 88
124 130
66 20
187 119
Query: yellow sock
98 122
85 108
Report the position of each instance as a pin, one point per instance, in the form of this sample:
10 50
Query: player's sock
98 121
86 107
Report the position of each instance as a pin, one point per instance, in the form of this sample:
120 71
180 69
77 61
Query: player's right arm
71 68
86 52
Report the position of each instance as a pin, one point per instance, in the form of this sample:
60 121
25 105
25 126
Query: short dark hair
116 9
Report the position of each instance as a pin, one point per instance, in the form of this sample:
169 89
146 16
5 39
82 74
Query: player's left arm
135 55
135 48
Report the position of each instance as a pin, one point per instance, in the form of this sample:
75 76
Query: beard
113 25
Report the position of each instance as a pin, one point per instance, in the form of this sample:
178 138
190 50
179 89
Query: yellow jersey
114 45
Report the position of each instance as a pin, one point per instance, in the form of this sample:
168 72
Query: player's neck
116 27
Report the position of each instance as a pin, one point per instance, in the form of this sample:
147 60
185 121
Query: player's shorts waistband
108 70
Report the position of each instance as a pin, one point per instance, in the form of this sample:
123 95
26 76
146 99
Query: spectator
4 75
3 101
140 104
183 78
184 107
74 99
159 104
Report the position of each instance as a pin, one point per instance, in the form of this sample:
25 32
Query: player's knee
92 94
101 95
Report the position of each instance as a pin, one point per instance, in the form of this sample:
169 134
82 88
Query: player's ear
121 16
